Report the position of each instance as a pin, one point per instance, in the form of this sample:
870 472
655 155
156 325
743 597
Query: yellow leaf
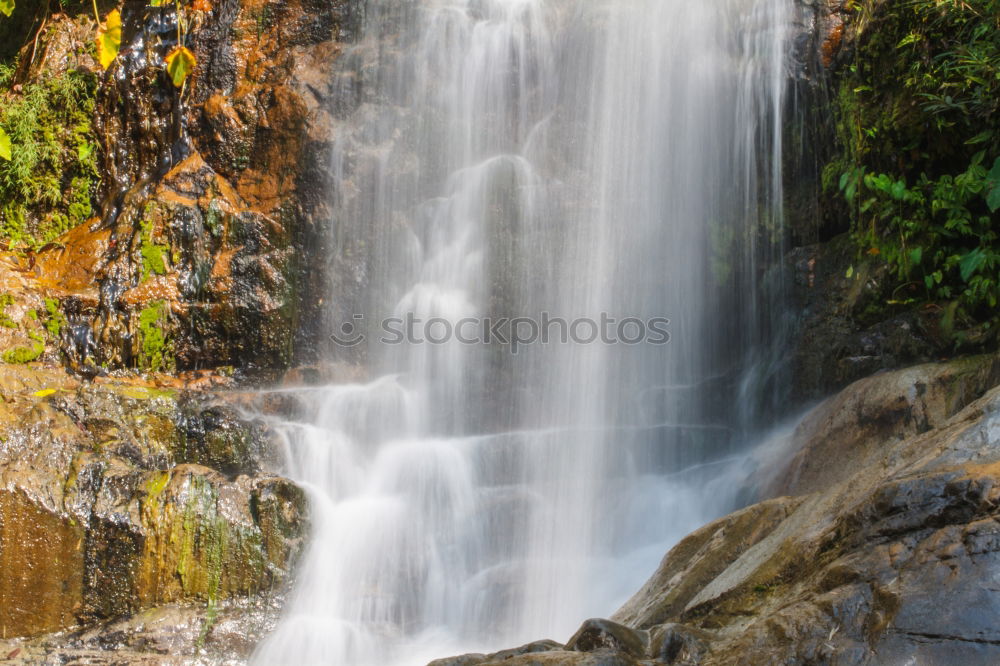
7 7
874 252
180 63
109 39
4 146
43 393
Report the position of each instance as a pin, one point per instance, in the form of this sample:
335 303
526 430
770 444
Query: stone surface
224 633
108 504
882 552
843 329
208 196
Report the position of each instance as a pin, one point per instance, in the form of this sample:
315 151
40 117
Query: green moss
6 300
156 351
47 187
153 254
26 354
55 321
156 484
213 219
153 259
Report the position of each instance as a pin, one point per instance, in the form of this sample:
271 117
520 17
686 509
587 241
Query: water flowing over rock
265 390
532 159
878 555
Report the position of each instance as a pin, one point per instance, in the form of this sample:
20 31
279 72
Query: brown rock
102 512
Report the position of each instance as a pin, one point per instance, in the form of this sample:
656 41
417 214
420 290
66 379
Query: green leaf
916 254
6 7
4 146
850 191
971 263
850 272
982 137
898 190
993 194
180 63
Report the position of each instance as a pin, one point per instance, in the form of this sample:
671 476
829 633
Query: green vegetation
918 118
48 184
153 254
155 351
27 354
55 321
6 300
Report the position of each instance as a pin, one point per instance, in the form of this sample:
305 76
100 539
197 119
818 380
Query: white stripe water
509 158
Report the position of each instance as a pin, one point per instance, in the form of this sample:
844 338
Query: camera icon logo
350 334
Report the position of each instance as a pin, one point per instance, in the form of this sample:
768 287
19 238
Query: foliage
46 187
919 125
4 145
6 7
109 37
180 63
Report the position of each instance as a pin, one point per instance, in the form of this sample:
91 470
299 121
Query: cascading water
603 161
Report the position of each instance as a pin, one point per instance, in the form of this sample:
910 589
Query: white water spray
509 158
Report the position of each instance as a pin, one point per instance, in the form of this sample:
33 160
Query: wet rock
103 514
171 634
599 634
208 197
504 656
698 559
472 659
845 434
879 558
843 330
882 564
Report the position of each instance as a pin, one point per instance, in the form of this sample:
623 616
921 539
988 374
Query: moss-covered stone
201 540
102 470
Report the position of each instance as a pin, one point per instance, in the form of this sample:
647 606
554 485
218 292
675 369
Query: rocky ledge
118 497
876 544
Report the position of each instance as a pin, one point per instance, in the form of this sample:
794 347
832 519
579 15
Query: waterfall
586 168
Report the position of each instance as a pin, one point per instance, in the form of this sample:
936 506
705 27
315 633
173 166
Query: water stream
593 166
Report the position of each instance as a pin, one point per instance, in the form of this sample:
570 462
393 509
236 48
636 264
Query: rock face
117 496
139 511
843 329
207 196
877 547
